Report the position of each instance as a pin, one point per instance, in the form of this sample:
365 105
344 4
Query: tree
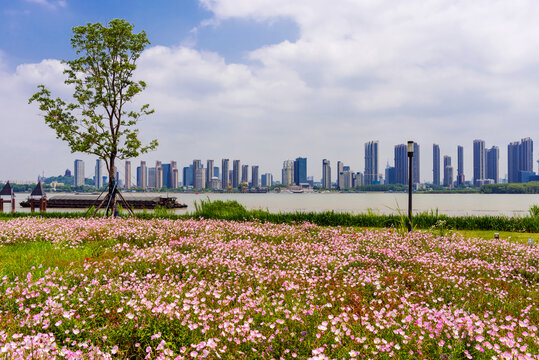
101 120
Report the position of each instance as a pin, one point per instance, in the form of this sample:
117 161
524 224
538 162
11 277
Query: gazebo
7 190
38 196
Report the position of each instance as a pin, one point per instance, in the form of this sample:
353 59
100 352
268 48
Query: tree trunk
113 207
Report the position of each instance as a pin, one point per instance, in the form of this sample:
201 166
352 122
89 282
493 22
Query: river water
382 203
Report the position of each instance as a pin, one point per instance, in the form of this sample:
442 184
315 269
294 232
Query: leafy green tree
101 120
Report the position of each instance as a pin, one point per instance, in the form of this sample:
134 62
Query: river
381 203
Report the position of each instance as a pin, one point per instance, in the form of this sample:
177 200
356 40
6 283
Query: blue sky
34 30
265 81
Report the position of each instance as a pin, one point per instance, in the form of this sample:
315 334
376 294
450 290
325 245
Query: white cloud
51 4
434 71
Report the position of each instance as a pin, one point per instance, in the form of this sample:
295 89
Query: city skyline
230 80
485 162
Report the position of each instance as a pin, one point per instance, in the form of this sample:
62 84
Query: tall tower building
300 170
326 174
245 174
288 172
448 171
478 161
152 178
236 168
209 173
79 173
435 164
98 174
197 164
460 165
416 162
519 158
225 180
158 174
200 178
371 162
493 168
526 154
401 164
254 176
142 175
340 175
127 175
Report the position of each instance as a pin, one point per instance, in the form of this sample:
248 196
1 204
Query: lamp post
410 157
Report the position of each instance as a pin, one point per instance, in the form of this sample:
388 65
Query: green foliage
534 211
100 121
513 188
230 210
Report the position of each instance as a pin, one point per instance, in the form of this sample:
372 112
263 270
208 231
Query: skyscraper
340 175
401 164
200 178
288 172
245 174
188 175
197 164
79 173
209 173
158 174
493 168
98 175
478 161
326 174
127 175
448 171
174 175
519 158
142 175
267 179
167 174
235 173
416 162
460 165
371 162
254 176
435 164
152 178
225 181
300 170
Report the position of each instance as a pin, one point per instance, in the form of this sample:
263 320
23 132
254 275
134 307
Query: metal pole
410 157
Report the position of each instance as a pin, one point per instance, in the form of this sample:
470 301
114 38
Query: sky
265 81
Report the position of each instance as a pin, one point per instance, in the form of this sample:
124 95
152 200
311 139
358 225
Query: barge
80 201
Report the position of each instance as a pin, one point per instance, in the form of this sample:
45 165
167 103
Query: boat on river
79 201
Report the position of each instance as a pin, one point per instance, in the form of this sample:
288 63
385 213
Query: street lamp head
410 147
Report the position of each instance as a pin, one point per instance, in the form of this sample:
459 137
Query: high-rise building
188 175
358 179
245 174
200 178
448 171
300 170
254 176
519 158
143 175
371 163
98 175
493 168
416 162
435 164
216 172
526 154
158 174
401 164
197 164
460 165
174 175
166 175
79 173
288 172
326 174
389 175
127 175
236 168
152 178
225 180
478 162
267 179
209 173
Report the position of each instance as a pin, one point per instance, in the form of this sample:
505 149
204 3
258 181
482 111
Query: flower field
189 289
